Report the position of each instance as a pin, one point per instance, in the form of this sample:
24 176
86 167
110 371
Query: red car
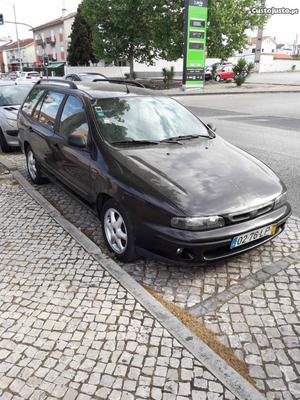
225 72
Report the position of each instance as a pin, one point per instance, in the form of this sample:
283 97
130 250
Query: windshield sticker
99 112
106 120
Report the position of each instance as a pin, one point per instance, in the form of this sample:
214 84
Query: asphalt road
265 125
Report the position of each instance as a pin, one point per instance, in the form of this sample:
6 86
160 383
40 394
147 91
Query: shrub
168 75
242 70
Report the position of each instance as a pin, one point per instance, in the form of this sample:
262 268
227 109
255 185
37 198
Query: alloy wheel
31 164
115 231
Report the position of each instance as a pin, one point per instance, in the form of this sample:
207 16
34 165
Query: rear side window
32 99
50 107
73 119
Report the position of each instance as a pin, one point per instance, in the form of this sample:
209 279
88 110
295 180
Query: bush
214 71
241 71
168 75
127 75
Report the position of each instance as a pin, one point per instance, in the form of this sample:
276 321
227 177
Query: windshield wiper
132 141
175 139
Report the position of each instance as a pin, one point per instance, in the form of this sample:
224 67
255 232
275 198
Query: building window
253 50
262 50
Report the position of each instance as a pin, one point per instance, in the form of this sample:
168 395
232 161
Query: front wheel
218 78
118 231
33 168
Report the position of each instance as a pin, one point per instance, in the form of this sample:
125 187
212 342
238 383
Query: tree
228 21
80 51
134 30
144 30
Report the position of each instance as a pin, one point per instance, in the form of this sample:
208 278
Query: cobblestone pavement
69 330
185 286
245 322
263 326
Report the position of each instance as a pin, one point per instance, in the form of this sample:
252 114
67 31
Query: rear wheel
3 143
218 78
33 168
118 231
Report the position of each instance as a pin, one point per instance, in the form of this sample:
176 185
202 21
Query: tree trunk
131 64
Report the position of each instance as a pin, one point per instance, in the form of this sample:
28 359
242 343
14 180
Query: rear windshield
146 118
13 94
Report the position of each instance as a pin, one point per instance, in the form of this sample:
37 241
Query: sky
36 12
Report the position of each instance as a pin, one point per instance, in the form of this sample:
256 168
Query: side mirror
212 127
76 141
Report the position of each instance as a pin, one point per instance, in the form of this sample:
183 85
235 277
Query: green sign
195 43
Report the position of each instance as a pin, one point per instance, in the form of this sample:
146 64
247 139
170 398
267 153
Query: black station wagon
163 182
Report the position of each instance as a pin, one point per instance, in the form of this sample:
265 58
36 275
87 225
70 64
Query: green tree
134 30
80 51
228 20
147 29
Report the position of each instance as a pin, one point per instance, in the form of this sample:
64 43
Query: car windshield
146 119
91 77
13 94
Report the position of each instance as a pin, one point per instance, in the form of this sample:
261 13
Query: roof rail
121 82
60 82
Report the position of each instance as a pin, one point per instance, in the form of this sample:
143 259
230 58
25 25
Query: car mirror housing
212 127
76 141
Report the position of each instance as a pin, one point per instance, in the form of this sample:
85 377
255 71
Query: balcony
40 42
51 40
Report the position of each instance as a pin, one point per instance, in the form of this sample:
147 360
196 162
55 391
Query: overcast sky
36 12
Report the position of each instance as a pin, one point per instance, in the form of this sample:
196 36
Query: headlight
280 201
197 223
12 123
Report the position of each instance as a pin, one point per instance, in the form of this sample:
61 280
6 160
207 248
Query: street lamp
17 33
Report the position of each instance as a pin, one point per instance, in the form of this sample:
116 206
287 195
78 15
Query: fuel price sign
195 42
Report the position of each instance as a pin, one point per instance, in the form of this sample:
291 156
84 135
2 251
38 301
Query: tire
218 78
3 143
33 168
124 248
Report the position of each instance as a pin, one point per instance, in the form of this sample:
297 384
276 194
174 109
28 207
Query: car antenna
123 75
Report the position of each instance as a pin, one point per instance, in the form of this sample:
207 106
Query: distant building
52 39
268 47
285 48
10 55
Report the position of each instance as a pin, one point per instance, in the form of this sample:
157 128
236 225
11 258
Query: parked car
30 76
208 68
85 77
13 75
164 184
225 72
11 97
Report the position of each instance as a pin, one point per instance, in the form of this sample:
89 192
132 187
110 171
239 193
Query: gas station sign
194 43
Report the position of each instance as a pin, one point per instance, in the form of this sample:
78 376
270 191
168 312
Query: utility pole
258 47
18 41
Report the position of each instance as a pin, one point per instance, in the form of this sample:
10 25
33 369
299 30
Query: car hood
10 111
200 177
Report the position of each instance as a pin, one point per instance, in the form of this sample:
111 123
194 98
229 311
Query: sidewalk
231 88
71 330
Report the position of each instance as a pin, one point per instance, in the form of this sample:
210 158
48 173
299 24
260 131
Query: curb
215 364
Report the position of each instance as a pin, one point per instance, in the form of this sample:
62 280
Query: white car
30 76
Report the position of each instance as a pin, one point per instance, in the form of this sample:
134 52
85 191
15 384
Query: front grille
250 214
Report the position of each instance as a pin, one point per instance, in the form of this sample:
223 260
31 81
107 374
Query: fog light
179 250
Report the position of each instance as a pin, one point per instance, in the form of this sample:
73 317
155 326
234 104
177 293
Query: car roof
98 90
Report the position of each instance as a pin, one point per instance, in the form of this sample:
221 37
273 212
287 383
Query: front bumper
199 248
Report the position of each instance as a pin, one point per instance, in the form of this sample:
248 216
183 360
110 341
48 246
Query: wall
268 64
142 70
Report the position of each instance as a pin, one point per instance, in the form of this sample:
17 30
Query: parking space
244 322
